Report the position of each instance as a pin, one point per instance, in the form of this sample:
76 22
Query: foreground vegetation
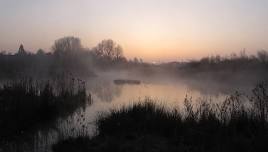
25 104
237 124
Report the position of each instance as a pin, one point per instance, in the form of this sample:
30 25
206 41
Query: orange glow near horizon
154 30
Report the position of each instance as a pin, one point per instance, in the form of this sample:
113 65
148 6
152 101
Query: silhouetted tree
109 50
67 45
40 52
70 57
21 50
118 53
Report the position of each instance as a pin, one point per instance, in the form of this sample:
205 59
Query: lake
165 89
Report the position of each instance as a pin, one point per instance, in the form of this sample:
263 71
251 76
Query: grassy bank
237 124
25 104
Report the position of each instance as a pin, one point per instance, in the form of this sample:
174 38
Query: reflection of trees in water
41 139
105 90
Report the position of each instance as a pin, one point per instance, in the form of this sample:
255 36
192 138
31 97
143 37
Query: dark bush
25 103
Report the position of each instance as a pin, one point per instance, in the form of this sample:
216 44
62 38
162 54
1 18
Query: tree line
68 55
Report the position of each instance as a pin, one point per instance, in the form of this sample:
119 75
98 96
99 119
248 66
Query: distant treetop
21 50
40 52
67 45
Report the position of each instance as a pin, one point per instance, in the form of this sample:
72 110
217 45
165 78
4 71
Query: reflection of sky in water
165 90
169 93
106 95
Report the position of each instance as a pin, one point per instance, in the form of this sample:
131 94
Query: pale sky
155 30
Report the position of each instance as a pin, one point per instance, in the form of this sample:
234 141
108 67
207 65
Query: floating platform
123 81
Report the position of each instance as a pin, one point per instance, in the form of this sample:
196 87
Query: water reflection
42 137
103 90
107 95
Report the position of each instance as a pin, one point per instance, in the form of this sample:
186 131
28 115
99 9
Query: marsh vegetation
27 104
239 123
142 105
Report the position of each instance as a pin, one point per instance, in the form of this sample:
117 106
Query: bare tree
108 49
119 53
67 45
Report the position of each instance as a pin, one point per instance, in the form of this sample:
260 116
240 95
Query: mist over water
146 75
164 88
114 82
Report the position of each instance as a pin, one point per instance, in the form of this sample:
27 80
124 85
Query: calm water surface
168 91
